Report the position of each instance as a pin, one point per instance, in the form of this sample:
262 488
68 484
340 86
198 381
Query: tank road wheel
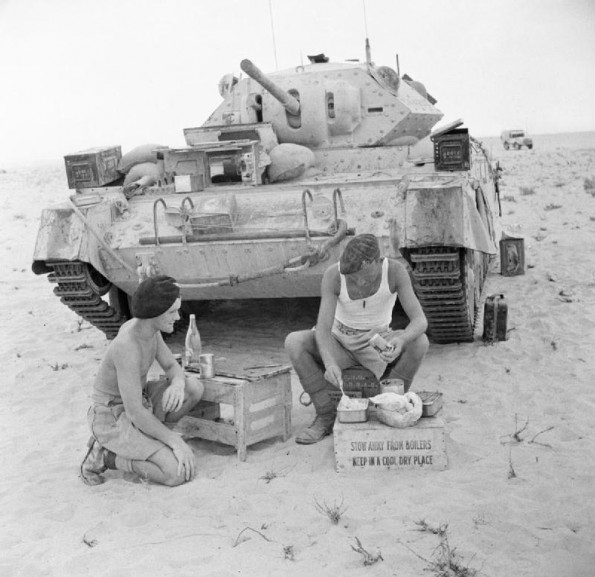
96 281
80 287
506 146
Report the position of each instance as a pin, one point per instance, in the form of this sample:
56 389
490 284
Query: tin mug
207 366
392 386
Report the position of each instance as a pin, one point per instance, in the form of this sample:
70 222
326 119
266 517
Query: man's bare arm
127 362
326 316
399 280
173 397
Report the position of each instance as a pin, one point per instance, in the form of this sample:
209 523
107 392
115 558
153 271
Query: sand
258 517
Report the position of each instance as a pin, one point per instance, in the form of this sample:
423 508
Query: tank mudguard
61 237
445 216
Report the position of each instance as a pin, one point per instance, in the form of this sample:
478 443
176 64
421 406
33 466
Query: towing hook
158 201
337 194
305 210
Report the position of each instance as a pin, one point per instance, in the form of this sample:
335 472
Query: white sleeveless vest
372 312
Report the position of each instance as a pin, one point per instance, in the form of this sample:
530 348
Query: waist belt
344 329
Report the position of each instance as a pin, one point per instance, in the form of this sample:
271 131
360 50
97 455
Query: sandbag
289 161
138 155
151 172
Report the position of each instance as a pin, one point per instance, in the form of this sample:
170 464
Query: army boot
326 411
93 464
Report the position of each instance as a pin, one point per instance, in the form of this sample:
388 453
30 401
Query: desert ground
517 497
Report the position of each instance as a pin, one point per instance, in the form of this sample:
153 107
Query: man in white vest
357 299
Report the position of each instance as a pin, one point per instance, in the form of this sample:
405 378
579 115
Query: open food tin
353 410
432 402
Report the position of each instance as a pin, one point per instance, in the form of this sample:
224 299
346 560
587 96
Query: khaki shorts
114 430
356 344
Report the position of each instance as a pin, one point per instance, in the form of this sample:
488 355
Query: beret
363 247
154 296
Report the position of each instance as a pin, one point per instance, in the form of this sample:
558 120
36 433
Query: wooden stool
261 410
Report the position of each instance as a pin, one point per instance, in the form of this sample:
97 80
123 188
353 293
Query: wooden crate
373 446
93 167
261 410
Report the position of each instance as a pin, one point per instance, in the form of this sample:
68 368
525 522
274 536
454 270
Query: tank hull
280 239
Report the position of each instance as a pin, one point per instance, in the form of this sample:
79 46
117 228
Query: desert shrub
527 190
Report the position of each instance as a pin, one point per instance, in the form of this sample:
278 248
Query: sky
75 74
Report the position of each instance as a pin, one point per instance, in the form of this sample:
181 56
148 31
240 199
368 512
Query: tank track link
75 290
439 281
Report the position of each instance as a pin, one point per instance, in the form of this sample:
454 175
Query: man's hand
183 453
393 352
173 397
334 375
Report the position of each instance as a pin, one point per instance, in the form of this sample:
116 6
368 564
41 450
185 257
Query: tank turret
325 105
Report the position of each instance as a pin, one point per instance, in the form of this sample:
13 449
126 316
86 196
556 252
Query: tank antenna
368 52
273 33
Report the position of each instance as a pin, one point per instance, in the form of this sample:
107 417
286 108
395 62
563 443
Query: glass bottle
193 346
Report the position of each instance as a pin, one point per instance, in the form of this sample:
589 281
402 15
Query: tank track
80 295
439 280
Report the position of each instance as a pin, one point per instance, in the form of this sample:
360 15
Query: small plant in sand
83 346
447 562
527 190
589 186
509 198
334 512
552 206
59 367
288 553
516 438
425 527
368 558
269 476
241 537
511 472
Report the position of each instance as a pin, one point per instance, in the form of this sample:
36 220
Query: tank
270 188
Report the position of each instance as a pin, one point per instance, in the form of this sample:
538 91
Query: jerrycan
495 319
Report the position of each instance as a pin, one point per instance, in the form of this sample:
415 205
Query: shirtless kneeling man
128 412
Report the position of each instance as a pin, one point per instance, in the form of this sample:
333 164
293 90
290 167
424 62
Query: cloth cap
154 296
361 248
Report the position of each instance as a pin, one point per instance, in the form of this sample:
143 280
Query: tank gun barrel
290 103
